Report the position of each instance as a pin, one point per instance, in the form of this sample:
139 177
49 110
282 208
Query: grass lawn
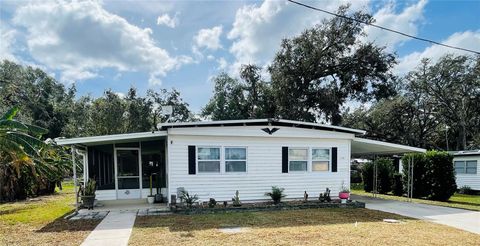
470 202
41 221
296 227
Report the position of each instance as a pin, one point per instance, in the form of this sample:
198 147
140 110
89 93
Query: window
471 167
208 159
465 167
459 167
320 159
235 159
297 159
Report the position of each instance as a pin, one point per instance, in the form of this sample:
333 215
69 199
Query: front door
127 172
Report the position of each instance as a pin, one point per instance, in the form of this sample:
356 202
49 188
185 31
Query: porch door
127 172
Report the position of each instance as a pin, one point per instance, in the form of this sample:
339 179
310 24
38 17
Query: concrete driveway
460 218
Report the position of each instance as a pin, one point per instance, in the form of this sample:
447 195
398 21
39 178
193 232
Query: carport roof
106 139
362 146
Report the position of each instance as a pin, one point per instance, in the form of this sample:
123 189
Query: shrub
236 200
467 190
212 203
188 199
433 175
367 176
384 175
441 175
276 194
420 180
397 184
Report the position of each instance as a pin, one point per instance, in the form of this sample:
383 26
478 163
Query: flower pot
88 201
150 199
344 195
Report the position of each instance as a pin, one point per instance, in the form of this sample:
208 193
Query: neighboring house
214 159
466 168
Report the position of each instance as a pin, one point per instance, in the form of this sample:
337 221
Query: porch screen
101 167
153 163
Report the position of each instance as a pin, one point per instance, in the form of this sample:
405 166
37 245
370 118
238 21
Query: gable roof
261 122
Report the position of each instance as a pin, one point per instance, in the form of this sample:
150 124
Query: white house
214 159
466 168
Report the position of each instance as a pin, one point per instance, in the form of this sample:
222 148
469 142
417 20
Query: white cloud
258 29
7 38
81 38
168 21
467 40
222 63
406 22
209 38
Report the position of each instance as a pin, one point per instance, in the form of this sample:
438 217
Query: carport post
75 178
375 178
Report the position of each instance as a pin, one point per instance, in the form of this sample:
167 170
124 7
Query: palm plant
24 157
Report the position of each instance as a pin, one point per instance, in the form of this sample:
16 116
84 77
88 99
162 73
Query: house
214 159
466 168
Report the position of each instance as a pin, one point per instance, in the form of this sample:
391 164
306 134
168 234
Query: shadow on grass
60 225
268 219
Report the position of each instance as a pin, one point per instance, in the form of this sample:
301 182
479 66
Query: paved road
460 218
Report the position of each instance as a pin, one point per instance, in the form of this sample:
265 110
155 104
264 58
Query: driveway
460 218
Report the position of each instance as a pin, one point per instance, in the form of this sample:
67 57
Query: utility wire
384 28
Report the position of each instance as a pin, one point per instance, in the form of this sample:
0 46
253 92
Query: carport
371 149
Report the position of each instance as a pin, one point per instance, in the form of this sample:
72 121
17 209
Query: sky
115 44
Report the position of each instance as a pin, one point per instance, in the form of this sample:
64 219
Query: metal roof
362 146
105 139
465 152
273 122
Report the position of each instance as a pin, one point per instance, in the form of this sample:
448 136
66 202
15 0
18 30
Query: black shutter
191 159
334 159
284 159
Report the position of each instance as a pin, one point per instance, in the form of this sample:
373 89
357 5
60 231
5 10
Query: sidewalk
115 229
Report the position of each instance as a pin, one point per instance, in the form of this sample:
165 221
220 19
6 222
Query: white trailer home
214 159
466 168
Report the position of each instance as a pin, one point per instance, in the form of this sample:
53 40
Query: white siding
472 180
106 195
264 164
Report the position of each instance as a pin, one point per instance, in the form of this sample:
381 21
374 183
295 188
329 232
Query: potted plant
151 197
344 192
87 193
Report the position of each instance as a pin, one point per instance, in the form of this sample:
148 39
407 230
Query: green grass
40 221
45 209
470 202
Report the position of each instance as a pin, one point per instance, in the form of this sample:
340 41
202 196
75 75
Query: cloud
258 29
222 63
7 38
209 38
168 21
81 38
467 40
406 22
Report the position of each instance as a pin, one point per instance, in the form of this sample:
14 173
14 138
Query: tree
248 98
315 73
24 157
181 112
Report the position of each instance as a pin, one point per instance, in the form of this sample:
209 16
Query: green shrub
441 175
188 199
420 180
433 175
212 203
397 188
276 194
236 200
384 175
467 190
367 176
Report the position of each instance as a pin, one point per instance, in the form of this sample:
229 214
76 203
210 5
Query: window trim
224 160
307 160
197 160
329 159
465 167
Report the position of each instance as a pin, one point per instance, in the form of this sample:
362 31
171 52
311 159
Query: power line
384 28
